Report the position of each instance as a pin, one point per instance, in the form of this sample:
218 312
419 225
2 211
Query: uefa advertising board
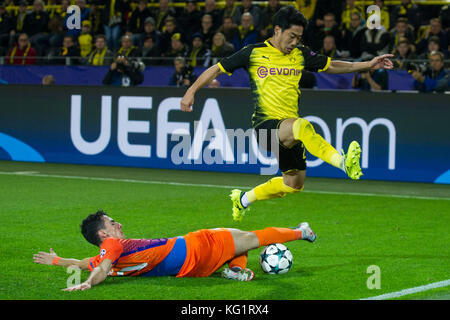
403 136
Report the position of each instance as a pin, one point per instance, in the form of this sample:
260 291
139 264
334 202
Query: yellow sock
274 188
304 131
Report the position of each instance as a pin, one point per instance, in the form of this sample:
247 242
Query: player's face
112 228
289 38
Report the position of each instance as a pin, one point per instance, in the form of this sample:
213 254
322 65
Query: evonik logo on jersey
264 71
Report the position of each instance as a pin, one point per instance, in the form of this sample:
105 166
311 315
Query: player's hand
80 287
187 101
45 257
381 62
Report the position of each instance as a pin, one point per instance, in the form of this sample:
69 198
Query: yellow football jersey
274 77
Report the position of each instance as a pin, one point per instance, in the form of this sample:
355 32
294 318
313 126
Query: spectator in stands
434 30
6 26
36 26
124 72
409 11
323 7
95 16
199 54
374 42
177 48
221 48
137 22
150 31
207 30
401 30
48 80
161 12
85 39
56 28
434 44
329 27
19 20
190 20
150 49
352 38
68 50
329 48
371 80
231 10
228 29
247 33
255 11
9 5
113 21
184 74
128 49
346 15
267 17
211 9
170 28
402 53
101 55
435 78
307 7
22 53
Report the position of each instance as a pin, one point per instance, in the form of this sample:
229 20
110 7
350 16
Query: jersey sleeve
239 59
313 61
110 249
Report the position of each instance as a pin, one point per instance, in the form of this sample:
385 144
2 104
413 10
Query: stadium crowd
158 31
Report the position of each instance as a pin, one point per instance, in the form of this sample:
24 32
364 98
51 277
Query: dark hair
436 40
91 225
288 16
100 36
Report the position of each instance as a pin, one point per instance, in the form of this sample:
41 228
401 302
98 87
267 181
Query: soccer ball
276 259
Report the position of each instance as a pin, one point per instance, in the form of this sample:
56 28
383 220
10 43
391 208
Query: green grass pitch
402 228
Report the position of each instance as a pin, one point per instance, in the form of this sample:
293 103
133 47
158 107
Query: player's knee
302 129
293 187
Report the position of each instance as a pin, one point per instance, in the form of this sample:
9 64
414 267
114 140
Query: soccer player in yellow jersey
275 68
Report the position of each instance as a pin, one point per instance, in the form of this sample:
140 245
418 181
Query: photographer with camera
430 78
125 72
184 74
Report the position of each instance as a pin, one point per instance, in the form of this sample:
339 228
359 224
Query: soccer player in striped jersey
197 254
275 68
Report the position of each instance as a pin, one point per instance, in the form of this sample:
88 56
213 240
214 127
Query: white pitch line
405 292
34 174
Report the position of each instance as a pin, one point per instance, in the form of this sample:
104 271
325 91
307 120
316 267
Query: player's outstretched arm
205 78
97 276
380 62
51 258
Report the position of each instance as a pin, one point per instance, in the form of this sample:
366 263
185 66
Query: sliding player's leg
245 241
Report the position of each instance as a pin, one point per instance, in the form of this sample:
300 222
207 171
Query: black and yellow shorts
293 158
